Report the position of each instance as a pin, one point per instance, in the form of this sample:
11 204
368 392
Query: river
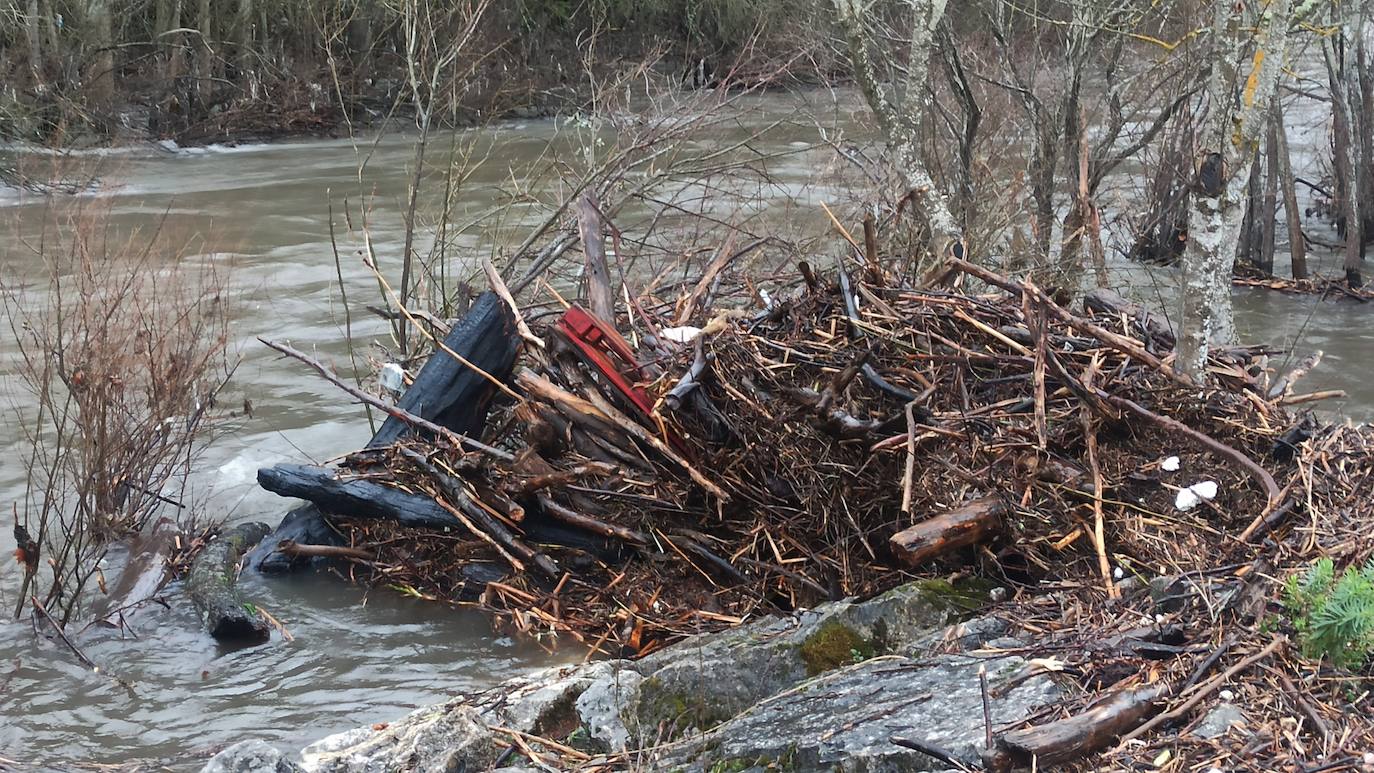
358 657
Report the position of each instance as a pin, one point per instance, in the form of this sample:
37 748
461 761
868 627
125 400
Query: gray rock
250 756
707 679
1219 720
542 703
742 678
843 720
604 706
436 739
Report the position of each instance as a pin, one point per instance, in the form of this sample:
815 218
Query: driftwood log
303 525
368 500
1072 738
969 524
451 394
445 392
211 584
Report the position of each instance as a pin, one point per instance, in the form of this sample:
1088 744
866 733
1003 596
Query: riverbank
824 689
1143 529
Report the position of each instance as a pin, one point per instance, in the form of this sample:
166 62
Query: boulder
436 739
705 680
844 720
252 756
819 690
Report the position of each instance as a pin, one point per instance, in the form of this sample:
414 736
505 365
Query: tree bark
1246 61
1297 248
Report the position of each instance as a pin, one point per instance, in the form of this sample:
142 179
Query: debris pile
849 436
834 444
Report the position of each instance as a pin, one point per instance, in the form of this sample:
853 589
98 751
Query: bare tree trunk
1240 109
34 39
100 72
243 37
1269 207
1344 166
1247 249
901 121
1364 122
1297 248
973 116
204 51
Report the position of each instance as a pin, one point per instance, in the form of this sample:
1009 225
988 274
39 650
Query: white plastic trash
1171 464
680 335
1195 494
393 378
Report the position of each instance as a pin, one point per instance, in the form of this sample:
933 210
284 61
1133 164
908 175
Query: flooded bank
356 658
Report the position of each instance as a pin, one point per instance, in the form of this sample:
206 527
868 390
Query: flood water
356 658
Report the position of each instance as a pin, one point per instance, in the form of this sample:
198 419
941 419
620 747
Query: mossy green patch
963 597
832 645
659 702
736 764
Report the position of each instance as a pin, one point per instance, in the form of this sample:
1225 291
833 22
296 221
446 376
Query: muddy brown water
357 657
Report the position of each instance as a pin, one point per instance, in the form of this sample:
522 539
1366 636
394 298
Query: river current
356 657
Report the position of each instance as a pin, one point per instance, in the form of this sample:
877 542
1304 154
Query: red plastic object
598 342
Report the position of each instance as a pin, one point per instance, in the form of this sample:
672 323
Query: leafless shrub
122 349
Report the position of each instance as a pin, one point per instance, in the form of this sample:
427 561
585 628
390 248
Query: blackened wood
354 497
451 394
368 500
304 525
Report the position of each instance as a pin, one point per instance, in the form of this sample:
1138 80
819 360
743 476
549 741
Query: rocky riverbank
825 689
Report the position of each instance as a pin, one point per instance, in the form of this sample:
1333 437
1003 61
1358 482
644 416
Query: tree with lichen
1248 43
901 110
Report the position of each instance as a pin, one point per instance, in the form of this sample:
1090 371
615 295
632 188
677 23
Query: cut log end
969 524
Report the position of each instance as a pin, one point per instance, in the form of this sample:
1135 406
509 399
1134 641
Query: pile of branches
839 442
853 435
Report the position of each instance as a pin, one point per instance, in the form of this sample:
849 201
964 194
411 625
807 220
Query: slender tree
1248 44
1297 247
902 111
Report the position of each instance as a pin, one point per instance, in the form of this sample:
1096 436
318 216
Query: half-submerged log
304 525
445 391
366 499
1072 738
354 497
970 524
211 583
144 574
451 394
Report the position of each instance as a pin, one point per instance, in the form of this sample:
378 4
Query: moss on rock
659 702
962 597
832 645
